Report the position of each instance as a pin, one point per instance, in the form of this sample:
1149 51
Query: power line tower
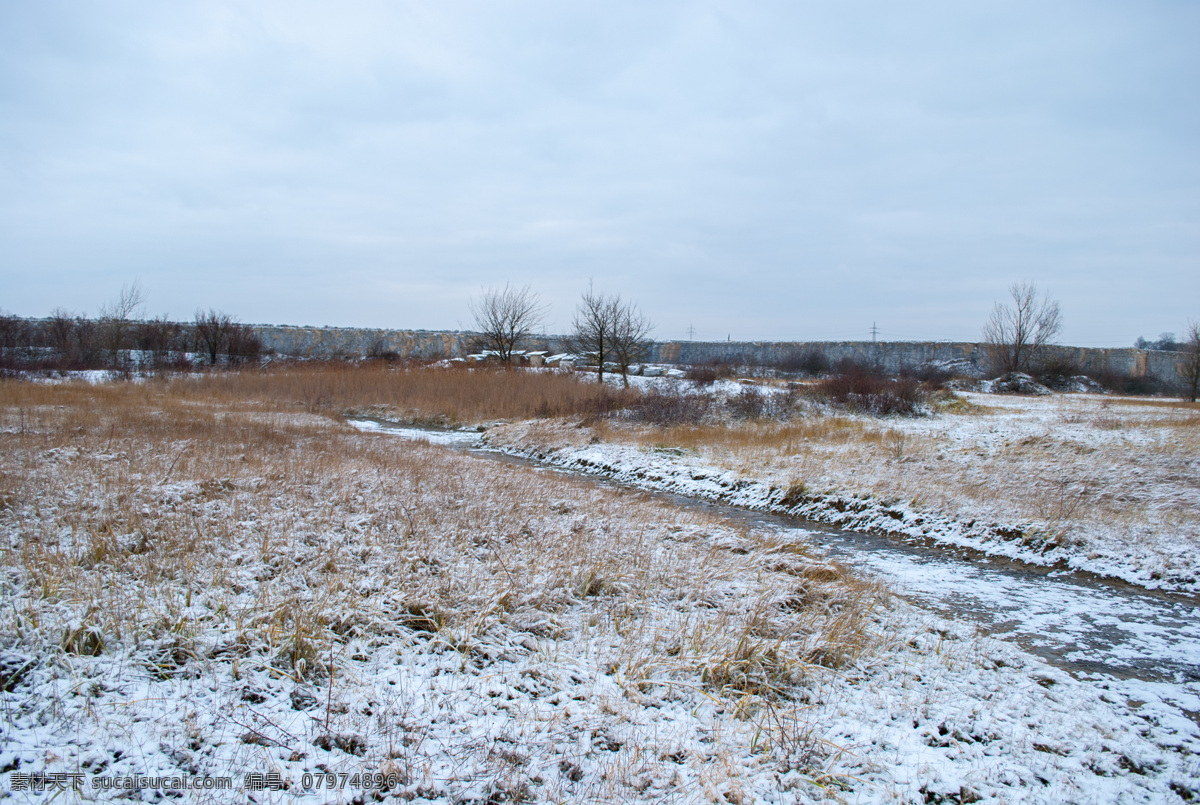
874 333
691 331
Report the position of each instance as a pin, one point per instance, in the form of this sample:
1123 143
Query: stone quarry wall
347 342
895 355
331 342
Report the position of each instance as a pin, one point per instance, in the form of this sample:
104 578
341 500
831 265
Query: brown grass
215 525
452 396
448 396
785 437
1148 402
1090 472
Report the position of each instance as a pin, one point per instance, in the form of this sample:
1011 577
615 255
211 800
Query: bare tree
213 331
630 338
14 332
244 345
1015 334
505 317
1191 359
116 318
609 328
163 340
14 340
220 334
1165 342
593 328
61 335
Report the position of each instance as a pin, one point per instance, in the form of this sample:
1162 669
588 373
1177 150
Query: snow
583 630
1067 481
429 435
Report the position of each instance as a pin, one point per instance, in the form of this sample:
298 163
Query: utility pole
691 331
874 333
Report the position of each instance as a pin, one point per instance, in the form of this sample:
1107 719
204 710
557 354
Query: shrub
809 362
380 352
928 374
665 408
244 345
1056 370
869 393
1121 383
14 341
748 403
705 374
850 366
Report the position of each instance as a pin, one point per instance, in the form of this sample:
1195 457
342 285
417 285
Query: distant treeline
67 342
1165 343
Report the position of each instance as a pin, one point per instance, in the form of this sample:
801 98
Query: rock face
351 342
965 357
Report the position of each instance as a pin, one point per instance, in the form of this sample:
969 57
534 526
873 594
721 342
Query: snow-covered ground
220 592
1110 486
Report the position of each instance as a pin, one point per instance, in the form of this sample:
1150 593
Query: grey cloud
776 170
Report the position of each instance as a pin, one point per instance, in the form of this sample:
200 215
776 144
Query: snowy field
1096 483
200 587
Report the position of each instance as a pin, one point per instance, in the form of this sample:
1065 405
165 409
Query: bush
748 403
1121 383
705 374
380 352
244 345
849 366
866 392
751 402
14 342
807 362
930 375
605 403
1056 371
666 408
1165 342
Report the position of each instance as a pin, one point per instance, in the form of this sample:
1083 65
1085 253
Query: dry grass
764 438
1149 402
1093 474
213 530
804 446
785 437
449 396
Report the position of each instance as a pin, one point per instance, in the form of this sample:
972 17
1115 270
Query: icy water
1150 642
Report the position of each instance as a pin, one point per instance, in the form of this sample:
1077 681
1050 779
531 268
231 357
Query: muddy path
1147 643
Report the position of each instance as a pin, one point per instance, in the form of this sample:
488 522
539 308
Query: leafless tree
60 333
244 345
116 319
630 338
163 340
609 328
593 328
88 342
504 317
14 332
220 334
213 330
14 340
1191 359
1016 333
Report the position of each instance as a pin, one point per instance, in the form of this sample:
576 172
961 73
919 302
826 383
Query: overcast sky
753 170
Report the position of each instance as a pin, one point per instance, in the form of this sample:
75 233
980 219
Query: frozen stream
1144 645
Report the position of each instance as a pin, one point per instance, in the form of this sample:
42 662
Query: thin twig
178 456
